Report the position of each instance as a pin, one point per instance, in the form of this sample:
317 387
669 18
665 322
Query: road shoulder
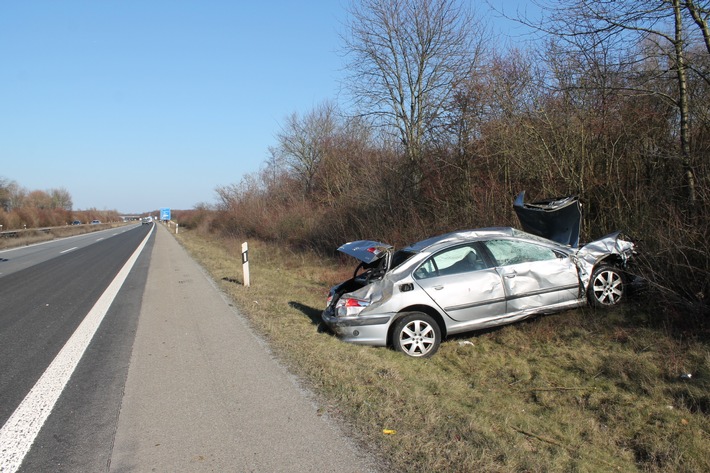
205 394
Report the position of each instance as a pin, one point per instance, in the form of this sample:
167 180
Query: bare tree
407 58
61 199
700 12
303 142
642 32
16 196
39 200
5 194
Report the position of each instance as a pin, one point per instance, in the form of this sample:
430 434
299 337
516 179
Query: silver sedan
469 280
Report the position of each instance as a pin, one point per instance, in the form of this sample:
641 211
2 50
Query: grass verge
577 391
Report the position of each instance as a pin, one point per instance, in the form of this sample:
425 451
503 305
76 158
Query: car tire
417 335
606 287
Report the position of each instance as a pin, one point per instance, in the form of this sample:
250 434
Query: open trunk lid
366 251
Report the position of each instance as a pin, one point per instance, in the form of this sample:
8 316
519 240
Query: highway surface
117 353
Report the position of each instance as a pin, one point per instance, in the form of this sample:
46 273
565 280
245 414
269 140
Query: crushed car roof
462 235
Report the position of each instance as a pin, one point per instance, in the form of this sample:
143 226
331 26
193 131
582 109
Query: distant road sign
164 214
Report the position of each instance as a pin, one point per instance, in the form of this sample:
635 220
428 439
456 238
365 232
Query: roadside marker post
245 263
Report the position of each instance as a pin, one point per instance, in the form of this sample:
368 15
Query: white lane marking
58 239
19 432
67 251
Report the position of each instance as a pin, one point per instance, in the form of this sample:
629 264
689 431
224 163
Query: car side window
460 259
426 270
507 252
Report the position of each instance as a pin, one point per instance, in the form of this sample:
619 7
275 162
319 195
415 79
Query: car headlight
350 306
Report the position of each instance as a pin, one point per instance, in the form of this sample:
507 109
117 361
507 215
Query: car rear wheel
416 334
606 288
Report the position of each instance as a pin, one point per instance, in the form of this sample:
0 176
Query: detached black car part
557 219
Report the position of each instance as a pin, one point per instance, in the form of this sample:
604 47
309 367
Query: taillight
350 302
349 306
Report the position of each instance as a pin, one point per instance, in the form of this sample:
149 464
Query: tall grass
577 391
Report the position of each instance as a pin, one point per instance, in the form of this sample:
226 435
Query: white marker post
245 263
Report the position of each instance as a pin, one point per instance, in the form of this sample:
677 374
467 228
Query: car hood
611 244
366 251
590 254
556 219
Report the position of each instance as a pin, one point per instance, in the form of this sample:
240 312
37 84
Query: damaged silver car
469 280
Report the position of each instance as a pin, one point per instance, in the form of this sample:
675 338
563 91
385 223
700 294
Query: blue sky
134 105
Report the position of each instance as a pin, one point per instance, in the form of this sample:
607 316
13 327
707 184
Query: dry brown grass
577 391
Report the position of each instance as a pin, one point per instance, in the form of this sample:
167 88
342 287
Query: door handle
511 275
439 287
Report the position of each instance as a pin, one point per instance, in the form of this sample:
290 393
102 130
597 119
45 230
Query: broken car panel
557 219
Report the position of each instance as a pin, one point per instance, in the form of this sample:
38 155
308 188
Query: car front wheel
606 288
416 334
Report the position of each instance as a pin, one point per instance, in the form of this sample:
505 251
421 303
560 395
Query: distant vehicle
95 222
147 220
76 222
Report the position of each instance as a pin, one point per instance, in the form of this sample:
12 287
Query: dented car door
534 276
461 282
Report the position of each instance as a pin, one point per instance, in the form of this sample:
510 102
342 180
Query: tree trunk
681 72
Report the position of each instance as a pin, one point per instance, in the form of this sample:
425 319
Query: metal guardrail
20 232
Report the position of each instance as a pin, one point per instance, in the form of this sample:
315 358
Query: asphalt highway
16 259
167 374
